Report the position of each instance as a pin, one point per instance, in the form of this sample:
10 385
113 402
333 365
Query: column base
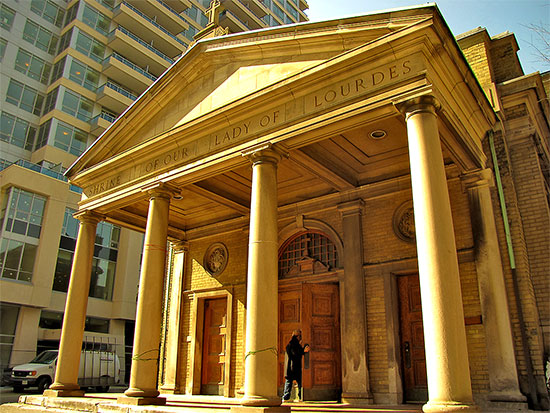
63 393
503 396
141 401
260 401
260 409
357 398
438 407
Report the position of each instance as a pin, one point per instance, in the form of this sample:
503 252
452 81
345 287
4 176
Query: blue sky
496 16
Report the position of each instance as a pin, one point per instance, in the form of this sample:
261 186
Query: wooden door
313 308
213 351
413 354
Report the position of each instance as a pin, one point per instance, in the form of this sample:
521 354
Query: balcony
138 50
243 11
100 122
114 97
116 67
149 31
255 6
162 13
178 5
229 19
41 170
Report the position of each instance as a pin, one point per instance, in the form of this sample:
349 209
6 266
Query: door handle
407 351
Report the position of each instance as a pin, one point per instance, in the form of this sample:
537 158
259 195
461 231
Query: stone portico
254 138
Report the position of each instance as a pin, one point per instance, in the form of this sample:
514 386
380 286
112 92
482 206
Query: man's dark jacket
294 351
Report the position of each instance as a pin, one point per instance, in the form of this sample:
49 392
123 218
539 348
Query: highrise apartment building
68 70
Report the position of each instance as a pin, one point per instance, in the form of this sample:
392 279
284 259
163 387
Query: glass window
77 105
24 97
70 139
84 75
17 131
57 73
90 47
96 20
49 11
17 259
40 37
32 66
71 14
65 41
7 16
25 213
104 261
8 323
51 100
97 325
50 320
3 45
43 134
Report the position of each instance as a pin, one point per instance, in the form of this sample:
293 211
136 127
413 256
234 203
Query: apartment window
43 133
40 37
96 20
70 139
104 260
6 17
49 11
65 41
77 105
17 259
71 14
8 323
84 75
96 325
51 100
24 97
57 73
90 47
32 66
51 320
25 213
17 131
278 12
3 44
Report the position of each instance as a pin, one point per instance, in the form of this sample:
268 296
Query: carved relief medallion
403 222
215 258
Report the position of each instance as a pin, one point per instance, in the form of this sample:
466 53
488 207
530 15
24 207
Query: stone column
261 370
503 377
173 330
449 385
72 333
144 370
355 372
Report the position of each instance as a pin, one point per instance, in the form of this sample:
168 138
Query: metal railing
173 11
142 42
103 115
130 64
118 89
40 169
154 23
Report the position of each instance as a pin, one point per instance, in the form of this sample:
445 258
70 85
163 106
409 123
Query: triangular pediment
216 72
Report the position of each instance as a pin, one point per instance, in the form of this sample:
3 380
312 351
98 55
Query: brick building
371 180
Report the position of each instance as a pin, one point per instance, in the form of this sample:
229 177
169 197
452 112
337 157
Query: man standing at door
294 352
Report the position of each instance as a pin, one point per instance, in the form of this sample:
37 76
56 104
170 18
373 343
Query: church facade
352 178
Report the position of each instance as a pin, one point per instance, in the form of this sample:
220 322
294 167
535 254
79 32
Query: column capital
265 152
351 207
424 103
478 179
161 190
180 246
88 217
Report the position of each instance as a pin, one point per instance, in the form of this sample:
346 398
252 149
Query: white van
99 369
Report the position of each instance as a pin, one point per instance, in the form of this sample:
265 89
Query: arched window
308 252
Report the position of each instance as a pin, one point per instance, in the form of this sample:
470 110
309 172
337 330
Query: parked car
99 369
